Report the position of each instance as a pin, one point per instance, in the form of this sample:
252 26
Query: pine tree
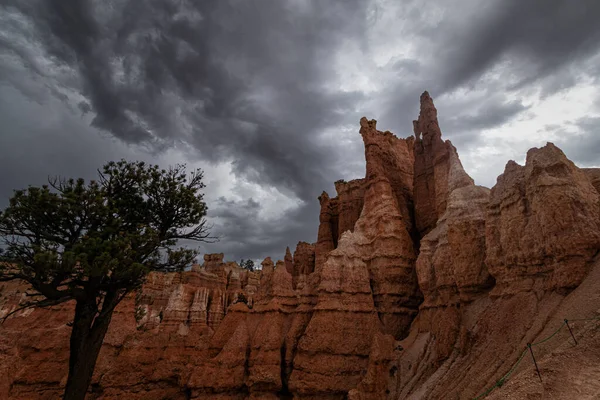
95 243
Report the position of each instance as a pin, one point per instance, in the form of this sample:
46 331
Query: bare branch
38 304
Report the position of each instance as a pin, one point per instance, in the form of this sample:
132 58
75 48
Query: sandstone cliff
155 335
421 284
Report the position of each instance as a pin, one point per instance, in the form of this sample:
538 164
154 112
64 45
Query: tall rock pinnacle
427 124
421 284
437 170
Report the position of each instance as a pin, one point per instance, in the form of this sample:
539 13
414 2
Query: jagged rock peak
213 261
420 285
368 124
288 260
427 124
267 264
323 197
543 224
438 170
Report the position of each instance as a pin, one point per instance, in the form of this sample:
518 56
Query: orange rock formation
421 284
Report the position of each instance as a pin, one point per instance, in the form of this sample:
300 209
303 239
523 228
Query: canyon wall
420 284
154 339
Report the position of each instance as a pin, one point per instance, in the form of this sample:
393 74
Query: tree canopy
247 264
95 242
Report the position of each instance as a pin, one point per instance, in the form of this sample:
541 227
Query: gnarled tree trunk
89 329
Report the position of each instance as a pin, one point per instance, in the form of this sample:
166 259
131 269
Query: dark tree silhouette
247 264
95 242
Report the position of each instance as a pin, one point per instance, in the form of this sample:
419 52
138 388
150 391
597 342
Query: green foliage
247 264
95 242
76 240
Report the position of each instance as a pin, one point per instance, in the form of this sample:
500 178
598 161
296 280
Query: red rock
451 265
386 224
543 224
437 170
213 261
327 235
594 175
156 336
289 261
351 198
335 346
420 285
338 215
303 263
225 373
392 159
272 332
381 371
367 284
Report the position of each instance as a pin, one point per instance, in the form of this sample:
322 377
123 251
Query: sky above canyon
265 96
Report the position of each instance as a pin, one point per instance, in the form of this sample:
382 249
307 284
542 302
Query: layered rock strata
156 335
437 170
421 284
338 215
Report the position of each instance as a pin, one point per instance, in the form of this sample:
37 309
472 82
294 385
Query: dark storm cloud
510 45
246 77
240 81
538 37
255 83
488 116
463 123
51 143
247 235
581 141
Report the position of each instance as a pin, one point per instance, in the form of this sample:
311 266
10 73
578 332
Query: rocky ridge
421 284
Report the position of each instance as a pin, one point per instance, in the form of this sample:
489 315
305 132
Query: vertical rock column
386 223
437 169
327 230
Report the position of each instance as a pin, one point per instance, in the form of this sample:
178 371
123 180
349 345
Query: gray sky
266 96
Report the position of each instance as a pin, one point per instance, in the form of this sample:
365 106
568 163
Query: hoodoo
420 285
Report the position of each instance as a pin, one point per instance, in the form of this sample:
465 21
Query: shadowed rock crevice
284 393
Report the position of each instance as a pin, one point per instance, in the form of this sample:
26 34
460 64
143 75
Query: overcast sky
265 96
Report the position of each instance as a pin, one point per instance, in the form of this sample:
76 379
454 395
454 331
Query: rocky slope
421 284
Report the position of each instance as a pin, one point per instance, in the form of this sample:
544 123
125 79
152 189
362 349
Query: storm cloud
266 95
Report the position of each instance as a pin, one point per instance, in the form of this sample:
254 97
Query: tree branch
39 304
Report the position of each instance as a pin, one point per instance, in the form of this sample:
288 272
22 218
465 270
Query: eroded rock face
303 263
391 159
368 283
351 198
437 170
476 315
334 349
327 235
174 302
258 344
451 267
482 297
213 261
594 176
543 224
420 285
156 336
338 215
